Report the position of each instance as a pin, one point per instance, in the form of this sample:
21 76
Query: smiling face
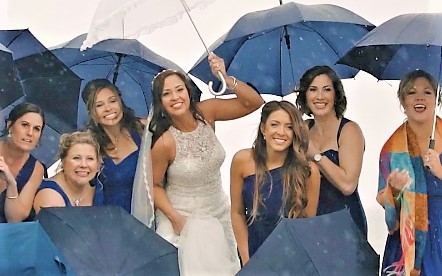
26 131
419 101
320 96
108 108
278 131
175 96
81 163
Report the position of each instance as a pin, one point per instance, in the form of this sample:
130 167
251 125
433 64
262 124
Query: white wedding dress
206 245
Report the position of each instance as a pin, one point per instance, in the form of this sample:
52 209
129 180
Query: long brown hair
295 170
129 120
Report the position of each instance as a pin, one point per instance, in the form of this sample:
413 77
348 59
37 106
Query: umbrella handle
223 85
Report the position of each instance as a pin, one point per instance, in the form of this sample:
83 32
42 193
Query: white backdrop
371 103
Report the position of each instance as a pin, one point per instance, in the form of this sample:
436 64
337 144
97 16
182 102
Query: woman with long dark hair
272 180
336 143
119 133
186 161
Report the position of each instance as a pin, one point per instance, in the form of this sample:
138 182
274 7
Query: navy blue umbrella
329 245
10 89
126 62
271 49
28 250
47 82
108 241
400 45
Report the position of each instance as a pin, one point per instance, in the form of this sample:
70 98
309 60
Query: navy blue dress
269 214
432 259
22 178
118 179
331 199
49 184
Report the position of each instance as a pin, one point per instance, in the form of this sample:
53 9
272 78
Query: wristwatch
317 157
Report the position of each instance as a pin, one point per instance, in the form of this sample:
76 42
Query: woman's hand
432 162
217 65
398 181
5 173
178 223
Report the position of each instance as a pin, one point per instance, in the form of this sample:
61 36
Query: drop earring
9 134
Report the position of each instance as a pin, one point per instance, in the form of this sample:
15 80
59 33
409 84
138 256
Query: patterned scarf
402 152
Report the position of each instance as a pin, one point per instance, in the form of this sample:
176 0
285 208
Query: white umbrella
130 19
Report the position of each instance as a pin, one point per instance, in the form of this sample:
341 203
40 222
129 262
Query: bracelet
12 197
235 83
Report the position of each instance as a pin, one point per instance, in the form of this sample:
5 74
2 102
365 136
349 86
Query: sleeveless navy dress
49 184
22 178
118 179
331 199
269 213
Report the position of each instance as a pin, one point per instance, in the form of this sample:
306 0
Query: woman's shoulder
244 155
350 128
34 166
165 143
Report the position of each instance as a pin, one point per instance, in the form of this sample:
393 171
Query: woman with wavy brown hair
273 179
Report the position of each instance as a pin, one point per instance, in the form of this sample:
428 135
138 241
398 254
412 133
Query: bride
186 161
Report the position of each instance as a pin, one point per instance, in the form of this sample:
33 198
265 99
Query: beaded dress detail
194 184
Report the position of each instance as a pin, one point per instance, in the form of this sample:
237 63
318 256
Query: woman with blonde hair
71 187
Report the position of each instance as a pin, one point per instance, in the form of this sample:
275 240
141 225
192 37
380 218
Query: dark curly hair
306 80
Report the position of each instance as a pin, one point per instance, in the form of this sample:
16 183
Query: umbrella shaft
186 8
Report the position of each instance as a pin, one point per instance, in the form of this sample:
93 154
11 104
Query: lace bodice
194 190
196 168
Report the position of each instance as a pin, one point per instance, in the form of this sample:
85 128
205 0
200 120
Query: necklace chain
77 201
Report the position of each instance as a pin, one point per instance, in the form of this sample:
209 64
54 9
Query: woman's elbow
253 106
349 189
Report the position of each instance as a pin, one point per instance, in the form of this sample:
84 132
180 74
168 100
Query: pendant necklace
77 201
115 149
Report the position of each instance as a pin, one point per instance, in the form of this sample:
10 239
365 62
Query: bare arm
313 186
345 177
246 101
162 154
48 198
18 209
237 209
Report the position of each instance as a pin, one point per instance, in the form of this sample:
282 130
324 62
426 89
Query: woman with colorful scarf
410 185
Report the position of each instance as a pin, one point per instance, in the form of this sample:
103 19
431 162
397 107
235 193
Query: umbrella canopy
271 49
10 89
130 18
330 244
108 241
27 250
400 45
45 80
126 62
